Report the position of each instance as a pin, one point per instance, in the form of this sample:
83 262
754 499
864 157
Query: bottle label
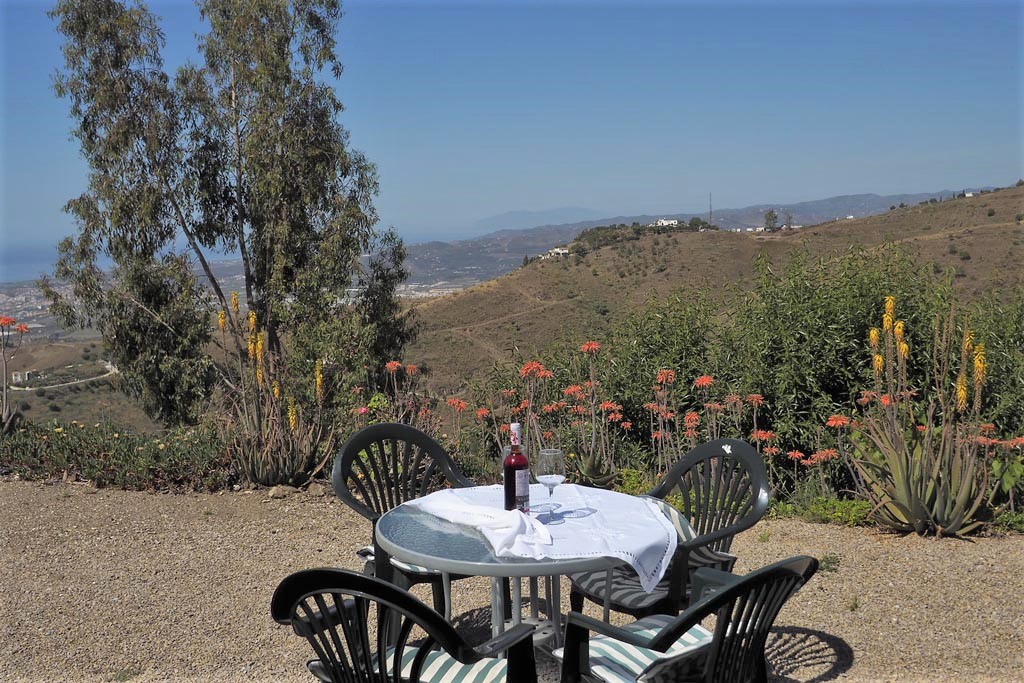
523 489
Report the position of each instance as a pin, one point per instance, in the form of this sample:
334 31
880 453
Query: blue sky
475 108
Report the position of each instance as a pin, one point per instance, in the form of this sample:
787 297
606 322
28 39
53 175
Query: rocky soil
117 586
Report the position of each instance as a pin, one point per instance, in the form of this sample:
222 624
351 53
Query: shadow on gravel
800 655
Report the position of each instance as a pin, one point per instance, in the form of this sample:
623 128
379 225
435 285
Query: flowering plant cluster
9 327
923 462
274 435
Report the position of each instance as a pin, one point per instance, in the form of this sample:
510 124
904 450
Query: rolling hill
465 332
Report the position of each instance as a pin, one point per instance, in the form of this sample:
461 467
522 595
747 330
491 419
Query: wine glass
550 468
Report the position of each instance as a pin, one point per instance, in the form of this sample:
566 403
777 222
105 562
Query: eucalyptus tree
240 154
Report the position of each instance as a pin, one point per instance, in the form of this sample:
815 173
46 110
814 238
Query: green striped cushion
617 662
439 667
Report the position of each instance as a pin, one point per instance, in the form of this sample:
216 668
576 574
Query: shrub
184 459
991 212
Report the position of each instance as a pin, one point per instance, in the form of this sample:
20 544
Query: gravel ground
115 586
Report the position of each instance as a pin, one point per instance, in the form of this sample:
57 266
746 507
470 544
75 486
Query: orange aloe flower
691 419
532 368
590 347
795 455
755 399
704 382
412 370
23 329
392 366
457 404
482 413
666 376
6 321
573 391
838 421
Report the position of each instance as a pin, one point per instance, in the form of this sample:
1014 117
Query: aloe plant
923 475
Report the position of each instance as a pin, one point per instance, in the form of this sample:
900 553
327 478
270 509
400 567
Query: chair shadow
802 655
474 625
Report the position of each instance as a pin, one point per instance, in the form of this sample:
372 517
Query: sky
474 108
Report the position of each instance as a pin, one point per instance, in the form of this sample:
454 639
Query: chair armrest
504 641
518 641
706 581
577 622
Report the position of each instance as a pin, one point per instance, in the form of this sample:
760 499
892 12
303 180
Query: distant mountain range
521 220
459 263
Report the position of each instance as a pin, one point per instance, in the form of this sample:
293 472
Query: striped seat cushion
617 662
439 667
366 553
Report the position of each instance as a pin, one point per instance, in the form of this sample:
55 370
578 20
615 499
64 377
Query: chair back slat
384 465
359 627
744 614
720 484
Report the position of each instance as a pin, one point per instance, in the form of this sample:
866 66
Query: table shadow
801 655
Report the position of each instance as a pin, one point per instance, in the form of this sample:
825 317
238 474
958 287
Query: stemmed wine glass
550 468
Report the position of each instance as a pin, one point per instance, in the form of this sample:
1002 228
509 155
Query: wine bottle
516 471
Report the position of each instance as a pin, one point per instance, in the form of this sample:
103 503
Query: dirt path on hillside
116 586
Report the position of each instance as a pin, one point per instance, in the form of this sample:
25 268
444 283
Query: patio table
417 537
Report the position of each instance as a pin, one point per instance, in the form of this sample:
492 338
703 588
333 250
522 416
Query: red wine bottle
516 471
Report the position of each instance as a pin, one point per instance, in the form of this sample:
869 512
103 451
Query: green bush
991 212
1009 521
184 459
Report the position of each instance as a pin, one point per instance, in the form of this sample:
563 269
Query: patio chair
381 467
712 493
661 648
360 627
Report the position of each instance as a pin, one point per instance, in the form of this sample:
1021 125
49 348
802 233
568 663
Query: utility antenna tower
711 214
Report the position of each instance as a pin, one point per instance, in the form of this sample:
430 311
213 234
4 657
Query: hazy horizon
472 109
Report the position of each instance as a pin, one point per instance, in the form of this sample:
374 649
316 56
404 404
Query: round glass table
418 537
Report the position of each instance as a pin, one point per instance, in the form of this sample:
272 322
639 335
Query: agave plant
923 475
591 470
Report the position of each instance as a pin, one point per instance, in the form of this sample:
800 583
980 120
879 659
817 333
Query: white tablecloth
575 522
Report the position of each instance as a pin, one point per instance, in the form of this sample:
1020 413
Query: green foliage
829 562
634 482
1009 521
837 511
771 220
799 337
183 459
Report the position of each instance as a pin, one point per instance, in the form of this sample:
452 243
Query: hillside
465 332
443 266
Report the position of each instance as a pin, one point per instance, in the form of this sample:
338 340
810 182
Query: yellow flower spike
234 303
968 340
222 320
276 388
259 347
874 336
897 330
887 322
890 306
293 414
252 321
979 366
252 348
961 392
319 380
904 349
879 363
259 376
